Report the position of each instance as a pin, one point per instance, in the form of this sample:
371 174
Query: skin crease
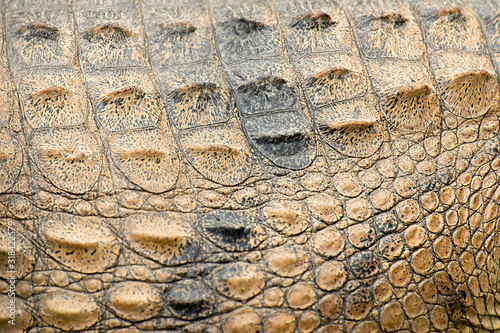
250 166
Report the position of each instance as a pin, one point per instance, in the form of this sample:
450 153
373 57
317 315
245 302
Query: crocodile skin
250 166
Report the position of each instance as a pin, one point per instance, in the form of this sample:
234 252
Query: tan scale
52 97
165 237
41 37
109 38
388 199
85 244
135 301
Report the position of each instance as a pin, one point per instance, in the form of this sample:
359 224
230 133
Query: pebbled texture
250 165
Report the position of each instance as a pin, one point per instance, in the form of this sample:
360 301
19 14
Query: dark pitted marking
178 35
52 97
54 106
386 222
285 138
84 244
313 26
406 93
165 237
387 29
233 231
332 77
238 281
316 20
220 152
198 104
178 29
68 310
148 158
351 127
266 94
242 26
450 27
11 160
68 157
38 30
135 301
191 300
108 33
364 264
411 107
127 108
470 94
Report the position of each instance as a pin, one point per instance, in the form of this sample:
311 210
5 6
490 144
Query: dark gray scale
40 38
178 34
283 137
245 30
191 300
263 83
233 231
110 37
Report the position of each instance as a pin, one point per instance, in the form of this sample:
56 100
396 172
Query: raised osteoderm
250 166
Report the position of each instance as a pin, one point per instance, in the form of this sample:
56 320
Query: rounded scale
127 108
40 38
85 244
468 82
387 30
110 38
332 77
52 97
220 152
239 281
68 310
233 230
68 157
178 35
24 251
165 237
313 26
352 127
135 301
148 158
406 93
191 300
195 95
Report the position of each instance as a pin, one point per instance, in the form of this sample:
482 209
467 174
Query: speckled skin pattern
251 165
